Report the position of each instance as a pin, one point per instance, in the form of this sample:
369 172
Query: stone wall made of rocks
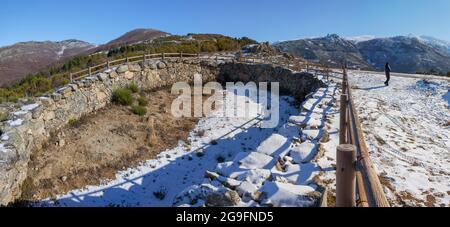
297 84
31 124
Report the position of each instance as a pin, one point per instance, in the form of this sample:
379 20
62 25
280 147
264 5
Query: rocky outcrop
28 127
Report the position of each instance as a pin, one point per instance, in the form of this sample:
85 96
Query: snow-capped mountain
27 57
331 50
405 54
361 38
438 43
409 54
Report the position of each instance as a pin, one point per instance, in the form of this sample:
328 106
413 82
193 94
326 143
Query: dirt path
97 146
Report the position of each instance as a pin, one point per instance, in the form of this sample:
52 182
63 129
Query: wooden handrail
369 188
131 59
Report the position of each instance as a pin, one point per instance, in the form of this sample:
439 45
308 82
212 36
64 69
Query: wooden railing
357 183
294 64
108 64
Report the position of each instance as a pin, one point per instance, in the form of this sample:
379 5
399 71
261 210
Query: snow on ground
230 162
407 130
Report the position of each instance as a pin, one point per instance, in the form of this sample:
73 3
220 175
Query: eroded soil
97 146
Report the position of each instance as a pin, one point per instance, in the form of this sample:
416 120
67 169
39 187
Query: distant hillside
405 54
408 54
330 50
56 75
133 37
28 57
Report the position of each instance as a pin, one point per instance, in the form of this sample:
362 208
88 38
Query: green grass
133 88
139 110
142 101
122 96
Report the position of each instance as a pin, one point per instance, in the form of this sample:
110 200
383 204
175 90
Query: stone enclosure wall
30 126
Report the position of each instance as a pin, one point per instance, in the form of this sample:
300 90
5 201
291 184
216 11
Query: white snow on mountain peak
361 38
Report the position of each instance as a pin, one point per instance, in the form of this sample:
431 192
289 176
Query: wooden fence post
163 56
128 60
71 77
108 65
143 57
343 119
344 82
90 71
346 176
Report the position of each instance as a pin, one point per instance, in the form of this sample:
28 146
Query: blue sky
99 21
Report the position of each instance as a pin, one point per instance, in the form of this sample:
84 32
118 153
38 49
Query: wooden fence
107 65
357 183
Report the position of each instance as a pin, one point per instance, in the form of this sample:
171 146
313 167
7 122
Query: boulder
101 96
113 74
128 75
65 92
161 65
255 176
122 69
303 153
279 194
134 67
49 115
74 87
274 145
56 96
37 112
45 101
312 134
254 160
227 199
152 66
102 77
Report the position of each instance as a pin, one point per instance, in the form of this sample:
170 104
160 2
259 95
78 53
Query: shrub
133 88
73 121
142 101
3 117
139 110
122 96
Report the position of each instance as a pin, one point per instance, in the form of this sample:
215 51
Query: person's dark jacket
387 68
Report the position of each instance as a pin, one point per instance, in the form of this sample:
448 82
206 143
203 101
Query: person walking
387 69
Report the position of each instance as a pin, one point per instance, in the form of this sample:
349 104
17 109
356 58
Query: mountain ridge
407 54
22 58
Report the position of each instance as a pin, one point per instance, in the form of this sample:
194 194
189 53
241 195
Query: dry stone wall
29 126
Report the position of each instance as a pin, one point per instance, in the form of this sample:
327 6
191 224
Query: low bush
139 110
133 88
73 121
122 96
142 101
